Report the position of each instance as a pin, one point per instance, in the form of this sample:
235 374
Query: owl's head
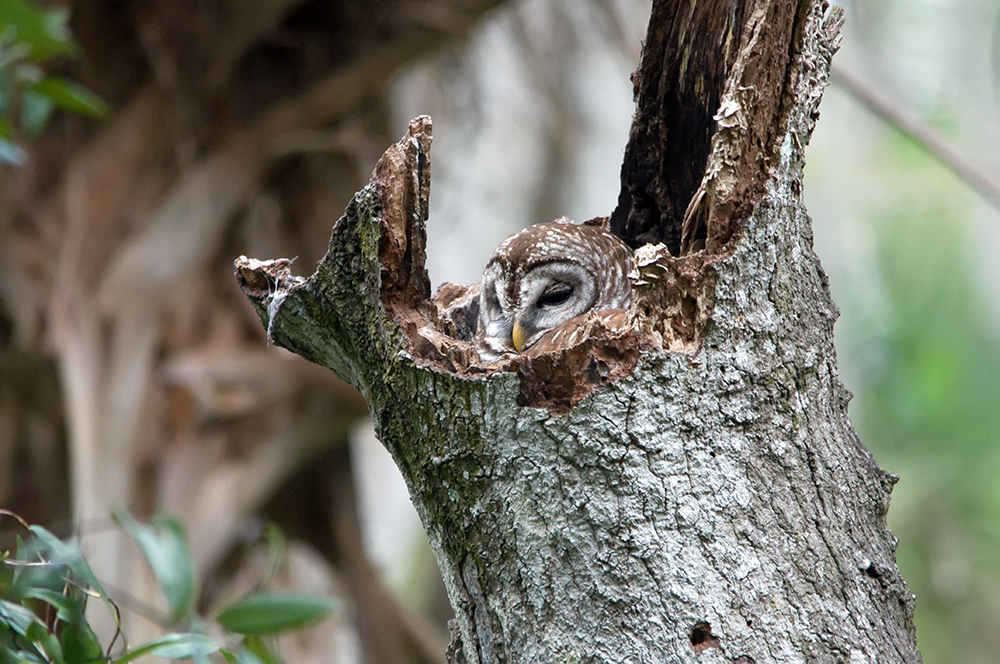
547 274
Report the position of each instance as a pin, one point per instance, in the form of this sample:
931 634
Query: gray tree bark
688 489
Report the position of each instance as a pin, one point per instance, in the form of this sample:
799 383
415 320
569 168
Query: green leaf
36 109
68 554
6 88
172 646
80 643
6 577
277 548
15 570
10 153
44 31
164 545
16 650
26 74
264 613
255 652
21 622
18 618
71 96
67 609
45 642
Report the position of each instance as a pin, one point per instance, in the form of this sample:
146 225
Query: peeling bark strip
709 90
710 503
404 205
687 55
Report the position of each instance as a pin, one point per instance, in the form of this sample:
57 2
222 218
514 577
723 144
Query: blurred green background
913 255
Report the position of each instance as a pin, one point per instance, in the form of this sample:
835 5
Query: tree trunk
689 489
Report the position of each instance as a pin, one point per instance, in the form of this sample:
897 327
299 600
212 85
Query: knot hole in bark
702 638
684 322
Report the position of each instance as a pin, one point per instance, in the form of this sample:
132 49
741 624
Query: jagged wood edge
337 317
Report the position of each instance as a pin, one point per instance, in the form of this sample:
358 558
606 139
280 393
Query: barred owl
540 279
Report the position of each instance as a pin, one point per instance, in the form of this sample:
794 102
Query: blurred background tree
243 128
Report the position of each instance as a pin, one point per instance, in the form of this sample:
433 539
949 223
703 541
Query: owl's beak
518 335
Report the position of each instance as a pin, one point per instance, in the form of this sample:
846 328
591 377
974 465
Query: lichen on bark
686 489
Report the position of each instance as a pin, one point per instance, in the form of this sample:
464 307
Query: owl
540 279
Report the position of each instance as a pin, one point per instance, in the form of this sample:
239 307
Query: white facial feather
545 276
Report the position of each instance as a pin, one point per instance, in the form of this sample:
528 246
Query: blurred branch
889 111
387 628
238 488
192 215
247 27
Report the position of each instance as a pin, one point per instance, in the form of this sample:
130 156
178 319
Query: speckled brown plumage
541 282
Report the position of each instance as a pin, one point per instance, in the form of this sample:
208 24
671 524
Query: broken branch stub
374 285
709 499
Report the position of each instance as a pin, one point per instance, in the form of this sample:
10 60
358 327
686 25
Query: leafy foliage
29 37
45 584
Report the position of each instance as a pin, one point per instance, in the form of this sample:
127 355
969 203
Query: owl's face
546 275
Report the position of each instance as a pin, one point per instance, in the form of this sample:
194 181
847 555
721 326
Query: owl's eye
555 295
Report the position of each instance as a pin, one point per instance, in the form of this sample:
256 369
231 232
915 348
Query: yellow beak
518 335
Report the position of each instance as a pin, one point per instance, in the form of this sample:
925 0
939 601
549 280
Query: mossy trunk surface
689 490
